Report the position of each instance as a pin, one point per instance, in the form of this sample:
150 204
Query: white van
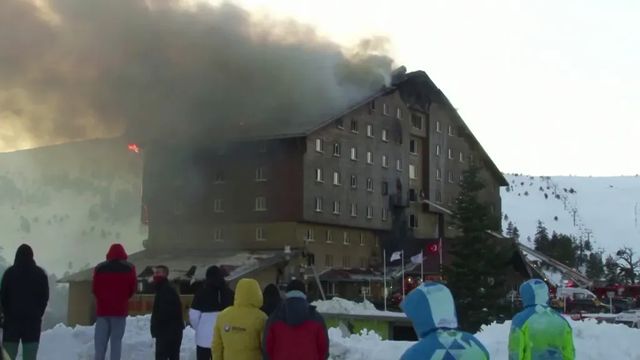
575 294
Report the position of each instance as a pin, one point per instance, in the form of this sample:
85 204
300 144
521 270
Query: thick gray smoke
73 69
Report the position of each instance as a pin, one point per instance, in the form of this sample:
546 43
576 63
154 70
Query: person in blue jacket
539 332
431 309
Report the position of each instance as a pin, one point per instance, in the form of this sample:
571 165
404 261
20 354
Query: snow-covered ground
606 209
593 342
342 306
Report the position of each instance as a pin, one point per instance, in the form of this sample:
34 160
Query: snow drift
593 342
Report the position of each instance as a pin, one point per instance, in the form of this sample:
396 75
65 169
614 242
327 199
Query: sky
548 87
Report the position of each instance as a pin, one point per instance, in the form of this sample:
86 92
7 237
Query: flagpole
402 258
440 253
384 277
421 266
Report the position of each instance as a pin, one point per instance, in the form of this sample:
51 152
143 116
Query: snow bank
342 306
593 342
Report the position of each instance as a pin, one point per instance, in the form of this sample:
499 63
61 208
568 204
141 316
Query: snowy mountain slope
603 209
70 201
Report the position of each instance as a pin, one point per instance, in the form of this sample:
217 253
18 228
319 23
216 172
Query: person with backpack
24 297
167 322
238 331
296 330
539 332
114 283
213 297
431 309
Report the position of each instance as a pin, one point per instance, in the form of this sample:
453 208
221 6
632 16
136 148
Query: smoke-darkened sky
74 69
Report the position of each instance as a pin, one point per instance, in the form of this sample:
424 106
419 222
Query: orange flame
134 148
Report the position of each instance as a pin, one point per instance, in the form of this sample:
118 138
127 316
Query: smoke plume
73 69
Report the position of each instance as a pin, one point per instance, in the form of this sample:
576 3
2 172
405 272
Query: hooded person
539 332
166 318
114 283
431 309
272 299
296 330
213 297
237 334
24 296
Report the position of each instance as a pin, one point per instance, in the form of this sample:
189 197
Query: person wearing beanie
213 297
296 330
24 295
272 299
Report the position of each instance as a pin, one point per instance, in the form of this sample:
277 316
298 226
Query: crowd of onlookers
255 324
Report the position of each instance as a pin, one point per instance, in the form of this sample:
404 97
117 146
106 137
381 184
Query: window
385 109
336 178
354 125
308 235
438 128
261 203
413 195
451 130
461 157
319 145
346 261
363 265
413 221
336 207
450 153
399 113
416 121
450 177
369 212
217 206
260 234
412 172
219 177
385 135
372 105
218 234
354 182
362 242
337 149
328 260
461 179
369 130
354 210
385 214
438 174
318 204
369 184
354 154
319 176
260 174
345 238
329 236
438 196
399 164
385 161
413 146
340 123
369 157
385 188
437 150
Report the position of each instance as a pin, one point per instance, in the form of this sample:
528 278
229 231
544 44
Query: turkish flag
433 248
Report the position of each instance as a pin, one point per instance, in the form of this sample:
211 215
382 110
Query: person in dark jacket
25 294
296 330
114 283
213 297
272 299
167 323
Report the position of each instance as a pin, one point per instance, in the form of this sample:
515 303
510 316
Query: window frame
415 147
354 181
353 125
370 131
218 206
319 175
362 240
369 157
328 237
218 234
260 203
337 178
336 207
337 149
369 212
260 234
369 184
354 153
260 177
385 161
438 126
399 164
354 210
319 206
413 124
319 145
385 135
346 239
385 109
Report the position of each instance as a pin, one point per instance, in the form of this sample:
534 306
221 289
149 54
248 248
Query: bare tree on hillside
628 264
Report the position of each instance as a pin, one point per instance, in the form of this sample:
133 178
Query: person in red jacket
114 282
296 330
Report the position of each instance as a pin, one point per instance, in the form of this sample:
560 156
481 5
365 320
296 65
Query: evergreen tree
509 231
595 266
516 233
541 238
476 275
611 270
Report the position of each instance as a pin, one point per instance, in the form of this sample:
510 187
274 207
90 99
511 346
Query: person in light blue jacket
431 309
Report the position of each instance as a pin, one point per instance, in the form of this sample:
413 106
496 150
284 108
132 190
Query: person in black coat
24 297
213 297
272 299
167 323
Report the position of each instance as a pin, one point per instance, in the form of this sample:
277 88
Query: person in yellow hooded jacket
237 334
